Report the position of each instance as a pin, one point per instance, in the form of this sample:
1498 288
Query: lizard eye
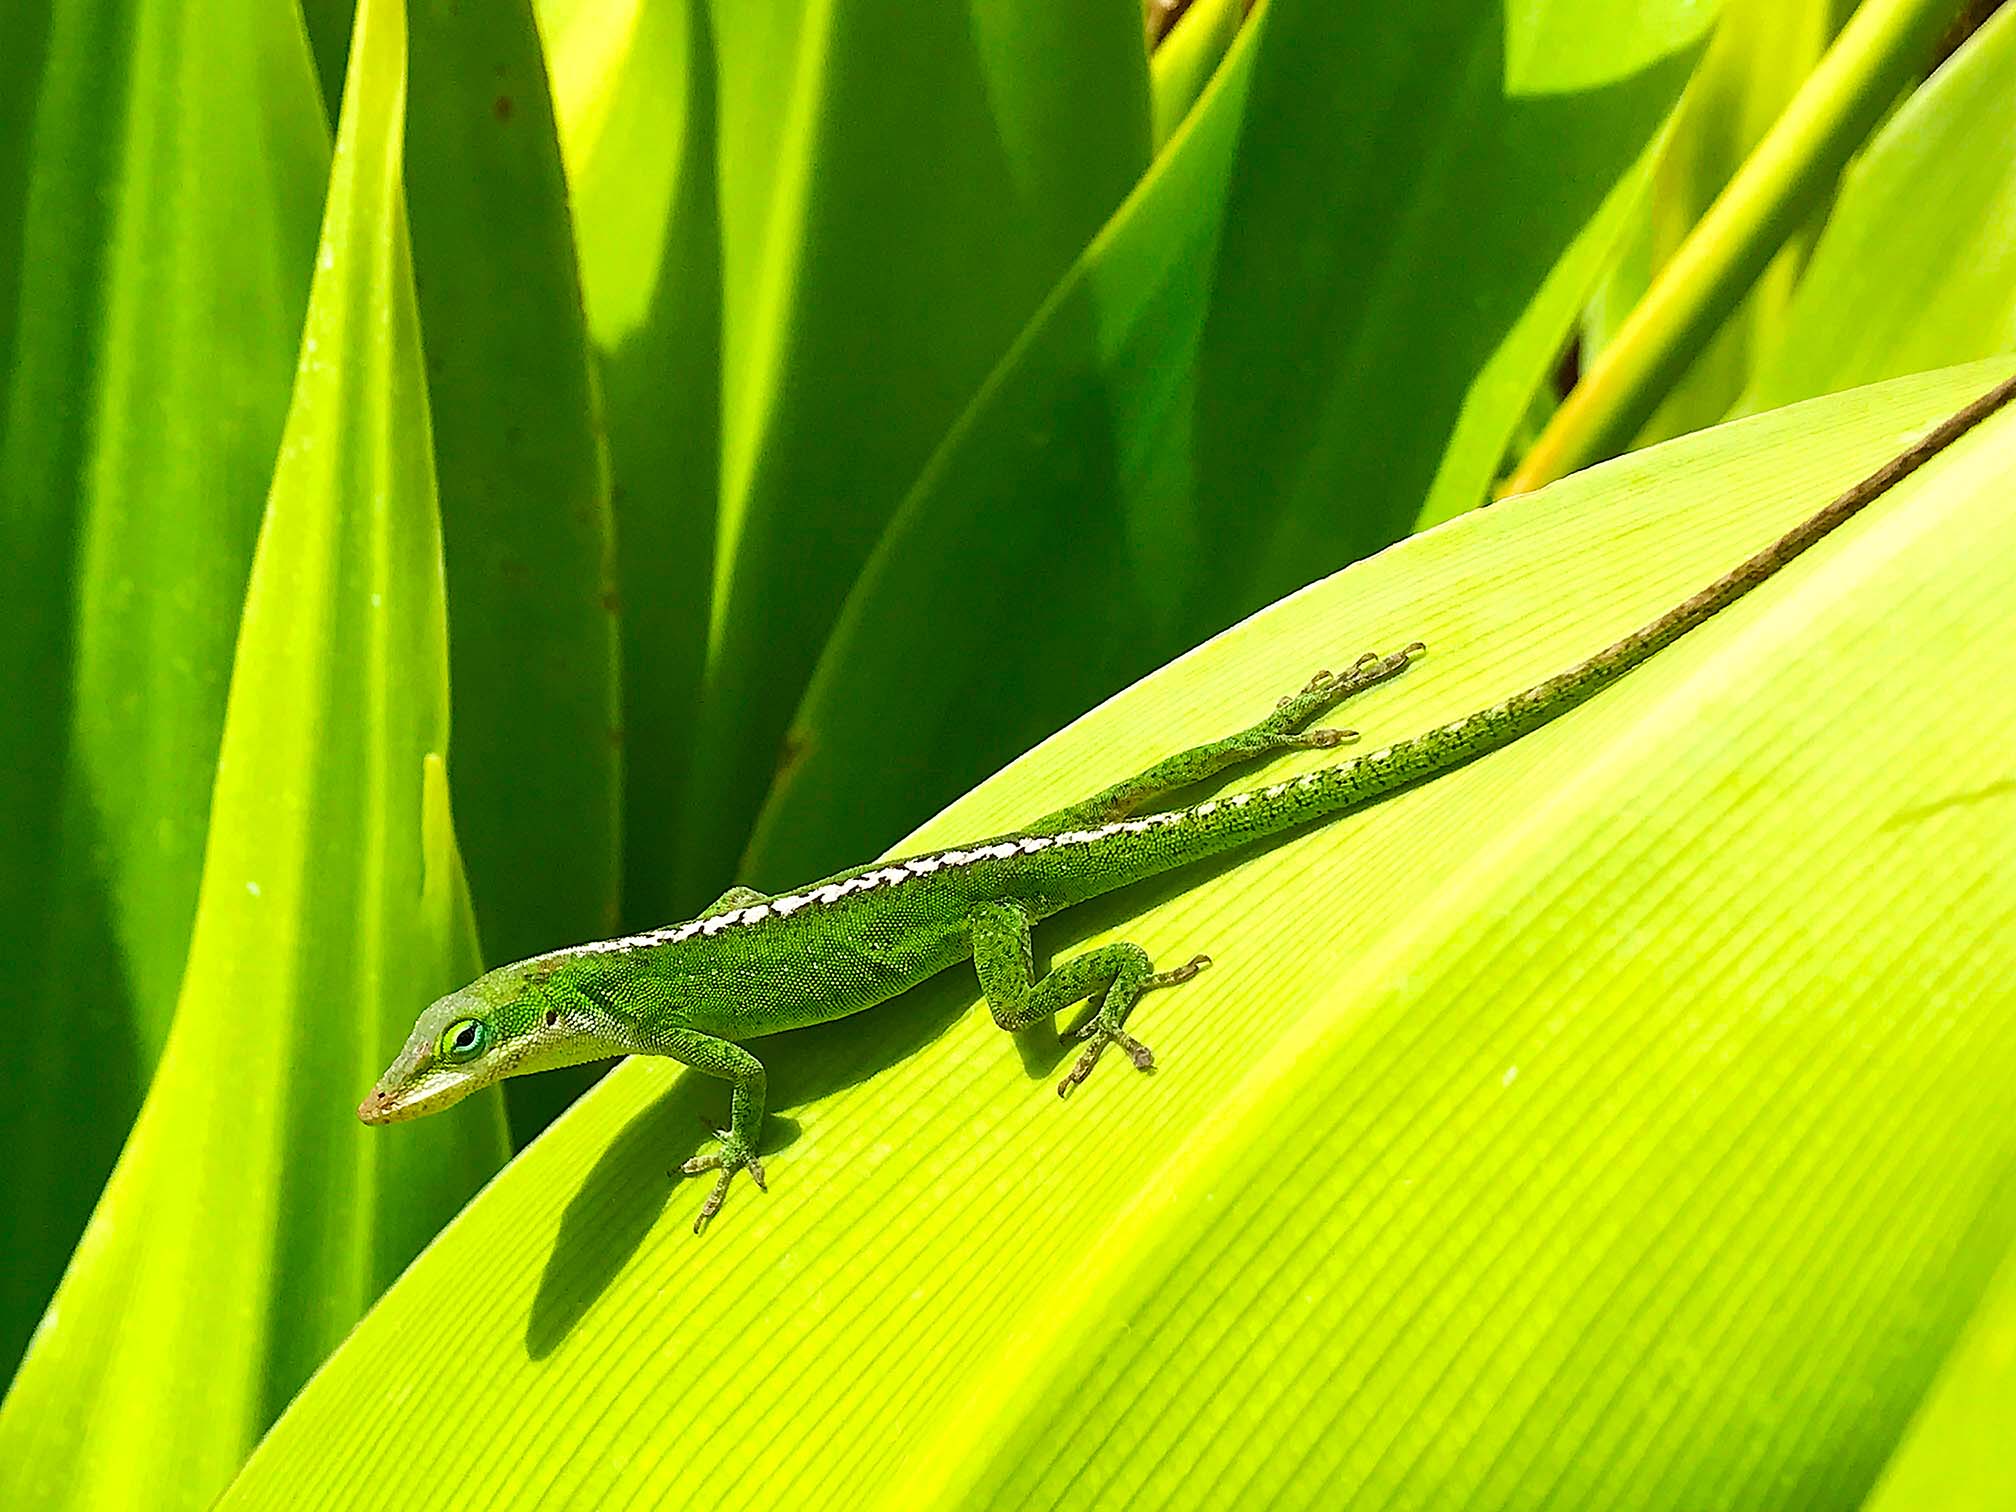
464 1039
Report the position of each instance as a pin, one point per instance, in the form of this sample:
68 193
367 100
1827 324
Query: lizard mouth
389 1106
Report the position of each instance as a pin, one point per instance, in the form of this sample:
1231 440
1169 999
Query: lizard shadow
625 1194
624 1198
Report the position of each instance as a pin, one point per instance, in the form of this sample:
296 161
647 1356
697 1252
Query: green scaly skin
754 965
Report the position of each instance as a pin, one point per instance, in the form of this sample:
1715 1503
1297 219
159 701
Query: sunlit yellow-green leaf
1617 1122
160 171
251 1219
1917 265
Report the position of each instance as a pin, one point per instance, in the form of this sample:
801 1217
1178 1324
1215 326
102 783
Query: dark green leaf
900 186
524 492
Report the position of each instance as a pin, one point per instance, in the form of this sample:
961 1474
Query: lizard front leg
1114 976
733 1064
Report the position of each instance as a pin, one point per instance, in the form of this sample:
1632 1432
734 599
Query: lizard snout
376 1108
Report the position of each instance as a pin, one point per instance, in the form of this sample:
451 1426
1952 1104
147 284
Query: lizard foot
1099 1037
1326 682
734 1155
1104 1028
1284 729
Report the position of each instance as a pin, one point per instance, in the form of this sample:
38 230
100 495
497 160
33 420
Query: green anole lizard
754 965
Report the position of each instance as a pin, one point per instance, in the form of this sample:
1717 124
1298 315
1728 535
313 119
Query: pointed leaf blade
251 1219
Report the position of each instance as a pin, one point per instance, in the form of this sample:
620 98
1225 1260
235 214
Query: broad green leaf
524 492
900 186
251 1218
1917 265
1619 1121
1761 53
1255 375
158 194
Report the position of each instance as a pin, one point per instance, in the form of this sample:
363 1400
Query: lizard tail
1157 842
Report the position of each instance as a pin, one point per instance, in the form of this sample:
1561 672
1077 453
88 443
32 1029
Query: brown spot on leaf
791 753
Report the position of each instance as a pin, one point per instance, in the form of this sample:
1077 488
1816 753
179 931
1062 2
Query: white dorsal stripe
897 873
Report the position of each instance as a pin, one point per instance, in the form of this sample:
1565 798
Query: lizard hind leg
1112 976
1107 1024
1285 729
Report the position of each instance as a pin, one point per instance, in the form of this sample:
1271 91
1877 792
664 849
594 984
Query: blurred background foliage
746 424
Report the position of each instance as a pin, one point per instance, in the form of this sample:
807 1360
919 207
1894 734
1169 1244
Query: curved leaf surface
1616 1122
251 1219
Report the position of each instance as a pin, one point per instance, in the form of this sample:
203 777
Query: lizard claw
1320 740
1098 1037
1283 730
1099 1031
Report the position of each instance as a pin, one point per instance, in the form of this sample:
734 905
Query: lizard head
515 1019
